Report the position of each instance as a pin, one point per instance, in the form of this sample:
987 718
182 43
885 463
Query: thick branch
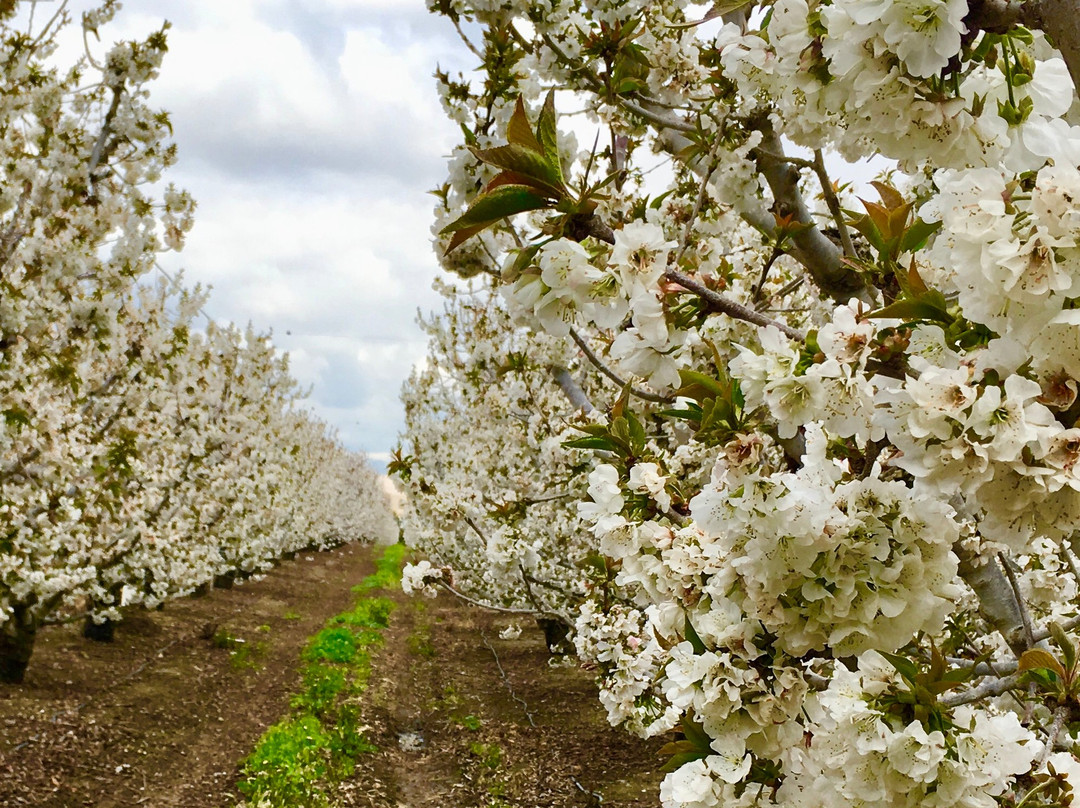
997 602
1060 21
990 687
822 258
572 389
99 153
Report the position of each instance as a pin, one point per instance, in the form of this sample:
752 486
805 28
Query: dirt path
162 716
466 719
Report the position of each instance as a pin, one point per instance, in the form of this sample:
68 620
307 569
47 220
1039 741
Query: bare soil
163 716
463 718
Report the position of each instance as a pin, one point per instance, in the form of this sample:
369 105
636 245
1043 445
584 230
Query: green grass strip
299 760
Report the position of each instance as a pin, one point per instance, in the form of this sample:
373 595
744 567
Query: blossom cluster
833 504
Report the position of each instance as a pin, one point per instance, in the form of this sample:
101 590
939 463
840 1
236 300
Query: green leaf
718 10
1035 659
602 444
916 236
865 226
1068 650
691 413
700 386
904 666
694 638
914 310
522 260
682 752
16 417
466 233
526 163
548 135
630 85
490 207
513 178
518 130
637 433
695 734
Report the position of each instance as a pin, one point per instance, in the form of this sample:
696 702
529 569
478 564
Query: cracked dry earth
163 716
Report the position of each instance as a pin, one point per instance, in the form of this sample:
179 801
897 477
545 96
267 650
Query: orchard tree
143 452
489 483
870 595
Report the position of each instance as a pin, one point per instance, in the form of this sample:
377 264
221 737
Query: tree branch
572 389
595 360
996 600
1060 21
727 306
833 204
822 258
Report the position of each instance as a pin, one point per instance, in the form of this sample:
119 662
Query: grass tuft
300 759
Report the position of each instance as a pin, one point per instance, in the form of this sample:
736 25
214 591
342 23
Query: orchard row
145 450
796 453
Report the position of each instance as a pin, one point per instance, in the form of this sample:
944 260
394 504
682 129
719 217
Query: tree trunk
99 632
17 637
225 580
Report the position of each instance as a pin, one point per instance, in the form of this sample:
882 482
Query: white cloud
309 133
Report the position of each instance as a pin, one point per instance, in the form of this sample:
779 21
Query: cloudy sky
309 132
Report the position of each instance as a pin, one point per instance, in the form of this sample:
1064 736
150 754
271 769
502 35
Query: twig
985 689
571 389
1070 560
504 609
777 251
1060 714
106 127
466 40
506 681
833 204
1029 629
596 795
699 203
595 360
663 121
728 306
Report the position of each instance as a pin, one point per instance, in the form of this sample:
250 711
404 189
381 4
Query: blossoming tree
837 481
489 484
141 454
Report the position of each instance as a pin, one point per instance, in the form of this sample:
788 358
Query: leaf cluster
918 697
716 409
530 177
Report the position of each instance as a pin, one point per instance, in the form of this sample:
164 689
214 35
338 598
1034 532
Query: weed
246 654
387 570
287 765
299 759
322 683
223 638
368 613
292 615
489 753
419 642
337 644
469 722
242 654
